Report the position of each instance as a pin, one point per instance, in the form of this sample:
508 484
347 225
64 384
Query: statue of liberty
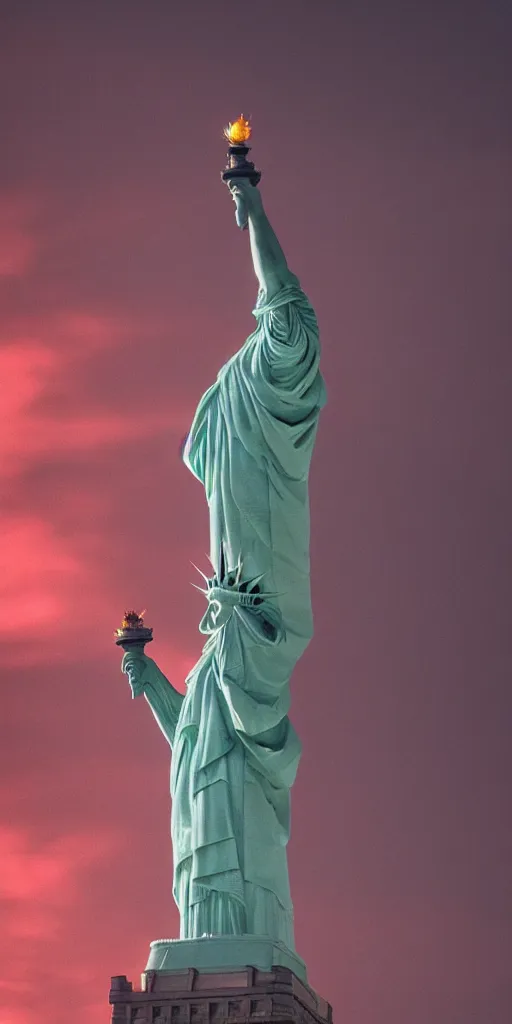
234 751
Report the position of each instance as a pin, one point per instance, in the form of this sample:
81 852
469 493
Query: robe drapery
235 752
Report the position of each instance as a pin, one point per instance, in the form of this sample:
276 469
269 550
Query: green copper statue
234 751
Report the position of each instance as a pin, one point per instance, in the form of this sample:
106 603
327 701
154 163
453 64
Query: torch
133 635
238 166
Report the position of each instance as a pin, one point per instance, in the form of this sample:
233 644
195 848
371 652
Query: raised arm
165 702
269 261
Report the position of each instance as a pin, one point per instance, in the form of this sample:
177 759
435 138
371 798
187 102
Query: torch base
130 645
231 173
239 167
136 638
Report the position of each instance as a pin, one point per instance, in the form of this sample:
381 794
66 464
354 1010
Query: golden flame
238 132
133 620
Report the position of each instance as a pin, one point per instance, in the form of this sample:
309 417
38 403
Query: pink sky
382 132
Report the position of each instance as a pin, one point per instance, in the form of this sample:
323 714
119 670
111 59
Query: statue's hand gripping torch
133 636
240 172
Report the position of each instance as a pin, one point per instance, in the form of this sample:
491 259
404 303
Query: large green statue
234 751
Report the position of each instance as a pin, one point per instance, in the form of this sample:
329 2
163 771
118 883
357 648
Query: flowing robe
235 752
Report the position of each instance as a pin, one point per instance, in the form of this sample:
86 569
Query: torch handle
137 646
241 215
240 167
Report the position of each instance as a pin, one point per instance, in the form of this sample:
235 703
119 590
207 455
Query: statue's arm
165 702
268 258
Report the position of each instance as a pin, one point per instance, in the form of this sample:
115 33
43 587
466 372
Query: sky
382 131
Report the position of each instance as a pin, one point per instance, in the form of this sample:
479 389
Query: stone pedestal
244 996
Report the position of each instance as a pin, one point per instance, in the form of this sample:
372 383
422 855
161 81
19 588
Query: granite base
244 996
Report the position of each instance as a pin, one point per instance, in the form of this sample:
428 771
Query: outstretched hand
247 200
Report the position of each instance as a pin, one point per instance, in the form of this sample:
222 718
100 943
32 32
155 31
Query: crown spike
201 573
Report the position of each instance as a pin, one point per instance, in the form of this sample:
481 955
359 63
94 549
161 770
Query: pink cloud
31 367
41 884
45 581
16 1015
36 571
47 872
25 367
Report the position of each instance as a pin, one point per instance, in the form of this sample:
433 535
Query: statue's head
228 591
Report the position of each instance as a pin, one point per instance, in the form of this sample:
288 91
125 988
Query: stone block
248 996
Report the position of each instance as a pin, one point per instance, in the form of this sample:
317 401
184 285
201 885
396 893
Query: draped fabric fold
235 752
